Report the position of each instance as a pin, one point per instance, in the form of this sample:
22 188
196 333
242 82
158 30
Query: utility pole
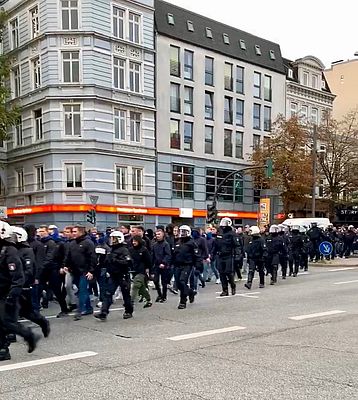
314 167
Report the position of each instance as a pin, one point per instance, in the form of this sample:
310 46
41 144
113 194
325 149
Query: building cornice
307 92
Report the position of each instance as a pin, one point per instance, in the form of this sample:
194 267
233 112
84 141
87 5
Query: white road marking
50 360
250 295
316 315
304 273
343 283
206 333
341 269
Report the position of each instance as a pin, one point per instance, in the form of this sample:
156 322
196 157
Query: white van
306 222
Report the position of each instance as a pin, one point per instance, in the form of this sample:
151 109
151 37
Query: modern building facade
83 73
342 78
218 90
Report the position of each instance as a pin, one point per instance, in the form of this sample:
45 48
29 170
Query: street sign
186 213
326 248
93 199
3 212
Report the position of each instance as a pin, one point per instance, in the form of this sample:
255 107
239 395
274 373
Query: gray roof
198 37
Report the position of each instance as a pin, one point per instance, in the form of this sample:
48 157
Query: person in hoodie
142 264
52 272
203 252
161 261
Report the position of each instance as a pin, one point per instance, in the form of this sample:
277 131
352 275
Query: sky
322 28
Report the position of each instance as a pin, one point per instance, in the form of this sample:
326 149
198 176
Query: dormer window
272 55
209 33
242 44
290 73
323 84
170 18
190 26
258 50
226 38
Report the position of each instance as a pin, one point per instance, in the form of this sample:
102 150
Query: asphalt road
253 349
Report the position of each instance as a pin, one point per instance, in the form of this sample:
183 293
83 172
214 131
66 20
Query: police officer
296 248
256 251
305 250
11 283
284 234
315 235
185 259
227 249
117 264
275 248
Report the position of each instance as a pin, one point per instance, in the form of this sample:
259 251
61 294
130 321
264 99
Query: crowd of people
43 263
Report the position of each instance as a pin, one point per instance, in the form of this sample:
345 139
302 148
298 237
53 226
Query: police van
307 222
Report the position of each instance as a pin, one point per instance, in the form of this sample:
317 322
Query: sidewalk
345 262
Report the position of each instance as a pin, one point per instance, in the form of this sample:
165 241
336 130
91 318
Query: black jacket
39 253
295 244
81 257
141 259
202 248
12 276
256 249
161 254
50 253
27 257
118 262
227 244
186 253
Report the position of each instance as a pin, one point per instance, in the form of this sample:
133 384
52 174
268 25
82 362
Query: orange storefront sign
171 212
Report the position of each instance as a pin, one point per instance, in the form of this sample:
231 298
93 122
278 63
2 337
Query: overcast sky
325 29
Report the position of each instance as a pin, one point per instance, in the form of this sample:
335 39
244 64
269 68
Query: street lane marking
250 295
343 283
341 269
321 314
50 360
206 333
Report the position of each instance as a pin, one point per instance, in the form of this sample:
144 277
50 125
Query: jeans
84 302
110 288
162 274
210 270
71 297
182 275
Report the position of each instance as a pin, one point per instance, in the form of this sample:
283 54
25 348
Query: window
227 143
267 88
170 19
69 14
231 190
239 149
209 71
19 139
272 55
209 139
188 64
226 38
188 100
35 26
36 72
71 66
118 22
174 61
16 81
72 119
120 124
228 76
137 179
175 97
242 44
20 181
119 73
267 119
256 142
134 120
190 26
38 124
182 181
258 50
40 177
290 73
257 85
209 33
240 80
175 134
14 33
134 77
121 178
239 112
2 188
314 116
257 195
188 136
305 78
304 112
314 81
257 116
134 27
293 109
73 175
228 110
321 188
209 105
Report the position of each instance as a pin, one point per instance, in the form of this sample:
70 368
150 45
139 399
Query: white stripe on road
343 283
206 333
316 315
341 269
50 360
250 295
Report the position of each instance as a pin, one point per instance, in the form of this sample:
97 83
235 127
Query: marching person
275 248
296 249
256 252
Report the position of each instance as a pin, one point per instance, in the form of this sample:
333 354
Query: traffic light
212 213
91 216
269 168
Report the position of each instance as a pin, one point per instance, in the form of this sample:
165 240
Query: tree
292 176
338 163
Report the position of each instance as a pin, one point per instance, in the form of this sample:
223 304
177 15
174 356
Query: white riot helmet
254 230
281 227
303 229
116 237
184 231
274 229
351 227
226 222
5 230
19 234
